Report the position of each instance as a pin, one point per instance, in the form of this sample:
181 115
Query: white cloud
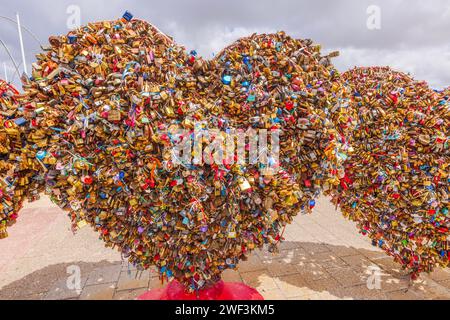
427 63
413 37
210 43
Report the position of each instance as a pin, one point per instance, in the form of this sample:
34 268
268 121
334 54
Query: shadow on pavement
300 270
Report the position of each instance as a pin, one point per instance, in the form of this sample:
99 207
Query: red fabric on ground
221 291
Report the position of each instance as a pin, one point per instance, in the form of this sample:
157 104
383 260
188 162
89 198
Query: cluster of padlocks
104 107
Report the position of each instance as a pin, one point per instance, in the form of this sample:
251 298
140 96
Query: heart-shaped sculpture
112 108
17 164
119 98
396 183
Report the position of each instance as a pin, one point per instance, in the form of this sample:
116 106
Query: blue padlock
40 155
72 39
226 79
127 15
20 121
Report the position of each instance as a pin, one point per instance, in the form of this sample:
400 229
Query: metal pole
21 45
6 74
10 57
26 29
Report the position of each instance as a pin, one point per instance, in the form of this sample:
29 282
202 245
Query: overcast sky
414 35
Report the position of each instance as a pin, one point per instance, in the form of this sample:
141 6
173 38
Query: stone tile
357 261
104 275
342 251
311 270
34 296
324 284
155 283
429 288
401 295
392 283
445 283
129 294
373 254
321 256
60 291
231 275
390 266
288 255
314 248
259 280
278 268
127 266
361 292
253 263
275 294
334 263
292 285
288 245
103 291
443 297
136 280
347 277
439 275
325 295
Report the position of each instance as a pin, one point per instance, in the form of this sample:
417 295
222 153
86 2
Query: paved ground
323 257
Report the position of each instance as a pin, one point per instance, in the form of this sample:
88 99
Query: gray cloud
414 35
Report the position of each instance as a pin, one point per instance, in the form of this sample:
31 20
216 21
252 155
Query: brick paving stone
33 296
325 295
439 275
275 294
334 263
362 292
155 283
389 265
322 257
129 294
104 291
392 283
373 255
402 295
311 270
293 285
357 261
324 284
230 275
258 280
60 291
445 283
253 263
347 277
127 266
343 251
288 245
133 280
313 248
104 275
278 268
288 256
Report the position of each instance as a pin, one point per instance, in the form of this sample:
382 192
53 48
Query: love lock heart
166 154
396 179
17 162
127 113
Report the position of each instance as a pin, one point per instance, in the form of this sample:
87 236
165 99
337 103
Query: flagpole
21 45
